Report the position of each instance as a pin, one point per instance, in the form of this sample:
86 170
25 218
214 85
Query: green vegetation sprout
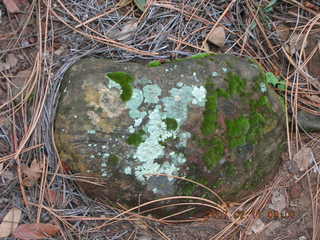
171 123
125 80
210 114
136 138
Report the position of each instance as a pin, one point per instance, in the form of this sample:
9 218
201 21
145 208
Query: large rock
212 119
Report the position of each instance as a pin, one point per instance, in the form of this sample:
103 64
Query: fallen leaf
217 36
20 80
313 51
12 60
36 231
11 6
283 32
272 227
141 4
311 6
10 222
4 66
278 201
54 197
304 157
123 3
127 30
33 173
258 226
296 43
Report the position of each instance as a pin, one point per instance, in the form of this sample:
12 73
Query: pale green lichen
151 93
214 74
263 87
184 137
199 94
163 123
176 105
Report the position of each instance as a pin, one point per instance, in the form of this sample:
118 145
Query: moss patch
236 84
237 130
113 160
200 55
171 123
136 138
125 80
216 151
210 114
154 63
230 169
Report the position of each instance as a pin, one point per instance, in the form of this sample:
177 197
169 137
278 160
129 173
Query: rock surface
210 119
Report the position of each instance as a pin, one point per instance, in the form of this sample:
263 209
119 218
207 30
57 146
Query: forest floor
41 39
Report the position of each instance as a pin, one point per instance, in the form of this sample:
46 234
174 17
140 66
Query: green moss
216 151
200 55
217 183
113 160
236 84
222 93
136 138
248 164
171 123
230 169
257 123
188 188
237 130
125 80
155 63
210 114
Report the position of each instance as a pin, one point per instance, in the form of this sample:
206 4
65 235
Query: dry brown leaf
4 66
123 3
283 32
33 173
217 36
20 80
12 60
257 227
304 157
16 6
126 31
35 231
296 43
10 222
278 201
11 6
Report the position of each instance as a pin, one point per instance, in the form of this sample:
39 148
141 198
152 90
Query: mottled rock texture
210 119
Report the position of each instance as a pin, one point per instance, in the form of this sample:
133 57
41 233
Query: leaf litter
10 222
36 231
32 173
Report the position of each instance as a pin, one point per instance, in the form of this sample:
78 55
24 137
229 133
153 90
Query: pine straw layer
166 29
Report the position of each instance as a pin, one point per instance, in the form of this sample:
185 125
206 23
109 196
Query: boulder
212 119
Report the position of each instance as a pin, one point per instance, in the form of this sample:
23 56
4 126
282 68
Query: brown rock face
211 119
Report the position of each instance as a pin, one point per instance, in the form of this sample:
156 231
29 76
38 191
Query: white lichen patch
199 94
151 93
214 74
263 87
145 159
174 106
